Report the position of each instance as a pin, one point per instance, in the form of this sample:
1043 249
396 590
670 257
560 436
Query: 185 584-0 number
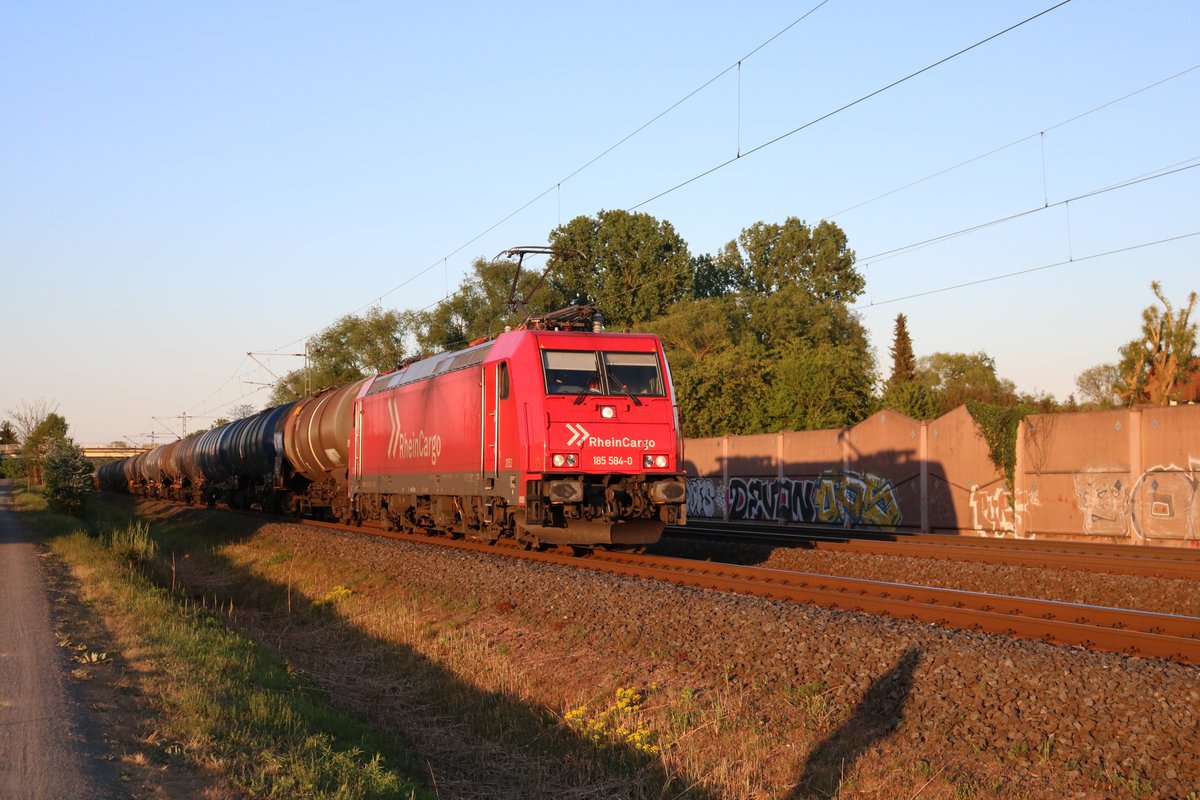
612 461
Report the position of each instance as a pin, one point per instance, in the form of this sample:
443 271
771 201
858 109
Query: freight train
557 432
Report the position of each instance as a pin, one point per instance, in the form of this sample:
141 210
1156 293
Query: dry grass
499 705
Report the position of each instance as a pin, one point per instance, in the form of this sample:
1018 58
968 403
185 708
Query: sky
185 183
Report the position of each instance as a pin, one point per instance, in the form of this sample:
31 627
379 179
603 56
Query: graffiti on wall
994 515
1163 503
1103 501
705 498
834 498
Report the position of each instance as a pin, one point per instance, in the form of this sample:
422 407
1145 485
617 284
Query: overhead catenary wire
1014 143
557 185
847 106
1016 273
735 65
222 386
1181 166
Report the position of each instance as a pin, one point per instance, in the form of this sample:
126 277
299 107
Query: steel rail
1184 564
1140 633
948 539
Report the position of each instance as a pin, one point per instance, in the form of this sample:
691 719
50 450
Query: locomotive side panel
421 438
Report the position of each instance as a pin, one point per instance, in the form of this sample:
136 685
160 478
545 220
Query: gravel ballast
1088 712
1039 720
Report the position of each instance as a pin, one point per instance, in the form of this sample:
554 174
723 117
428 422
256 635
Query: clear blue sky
181 183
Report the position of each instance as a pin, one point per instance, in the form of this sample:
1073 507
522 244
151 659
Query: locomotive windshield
587 372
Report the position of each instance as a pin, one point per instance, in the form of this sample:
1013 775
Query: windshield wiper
587 390
623 387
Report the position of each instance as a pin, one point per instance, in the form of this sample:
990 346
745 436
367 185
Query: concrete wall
889 471
1127 476
1130 476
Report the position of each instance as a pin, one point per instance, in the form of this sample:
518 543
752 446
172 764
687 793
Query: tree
696 329
959 377
7 434
820 385
351 348
768 340
631 265
1155 367
1042 401
28 415
916 399
767 257
68 476
480 307
727 392
242 410
37 445
710 279
904 364
1099 386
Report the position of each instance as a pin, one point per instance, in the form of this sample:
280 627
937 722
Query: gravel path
48 746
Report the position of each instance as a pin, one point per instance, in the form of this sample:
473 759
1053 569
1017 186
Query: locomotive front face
606 411
611 447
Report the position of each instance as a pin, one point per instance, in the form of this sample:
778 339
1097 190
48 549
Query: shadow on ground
470 742
874 719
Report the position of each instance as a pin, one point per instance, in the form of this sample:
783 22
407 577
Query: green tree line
760 335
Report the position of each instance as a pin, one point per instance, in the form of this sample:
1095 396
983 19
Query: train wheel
526 540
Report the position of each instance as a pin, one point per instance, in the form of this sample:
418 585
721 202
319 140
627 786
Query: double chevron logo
579 434
394 438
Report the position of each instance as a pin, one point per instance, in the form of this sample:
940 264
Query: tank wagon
555 432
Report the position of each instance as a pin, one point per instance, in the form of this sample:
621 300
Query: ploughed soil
508 678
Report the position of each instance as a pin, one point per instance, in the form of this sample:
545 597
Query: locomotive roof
452 361
434 365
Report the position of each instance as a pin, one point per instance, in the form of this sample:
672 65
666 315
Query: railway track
1126 631
1149 561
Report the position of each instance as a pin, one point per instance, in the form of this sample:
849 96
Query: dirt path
47 746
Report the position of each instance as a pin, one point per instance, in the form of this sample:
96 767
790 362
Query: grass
229 705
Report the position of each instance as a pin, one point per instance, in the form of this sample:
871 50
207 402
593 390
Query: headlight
558 460
608 412
660 462
572 459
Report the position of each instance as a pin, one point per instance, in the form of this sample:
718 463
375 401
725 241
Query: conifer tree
904 364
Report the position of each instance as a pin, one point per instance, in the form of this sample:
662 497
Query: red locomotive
561 436
556 432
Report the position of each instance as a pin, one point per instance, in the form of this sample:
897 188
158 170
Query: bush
12 469
68 477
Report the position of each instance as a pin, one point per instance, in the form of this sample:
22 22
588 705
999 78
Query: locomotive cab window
502 379
586 372
571 372
633 373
